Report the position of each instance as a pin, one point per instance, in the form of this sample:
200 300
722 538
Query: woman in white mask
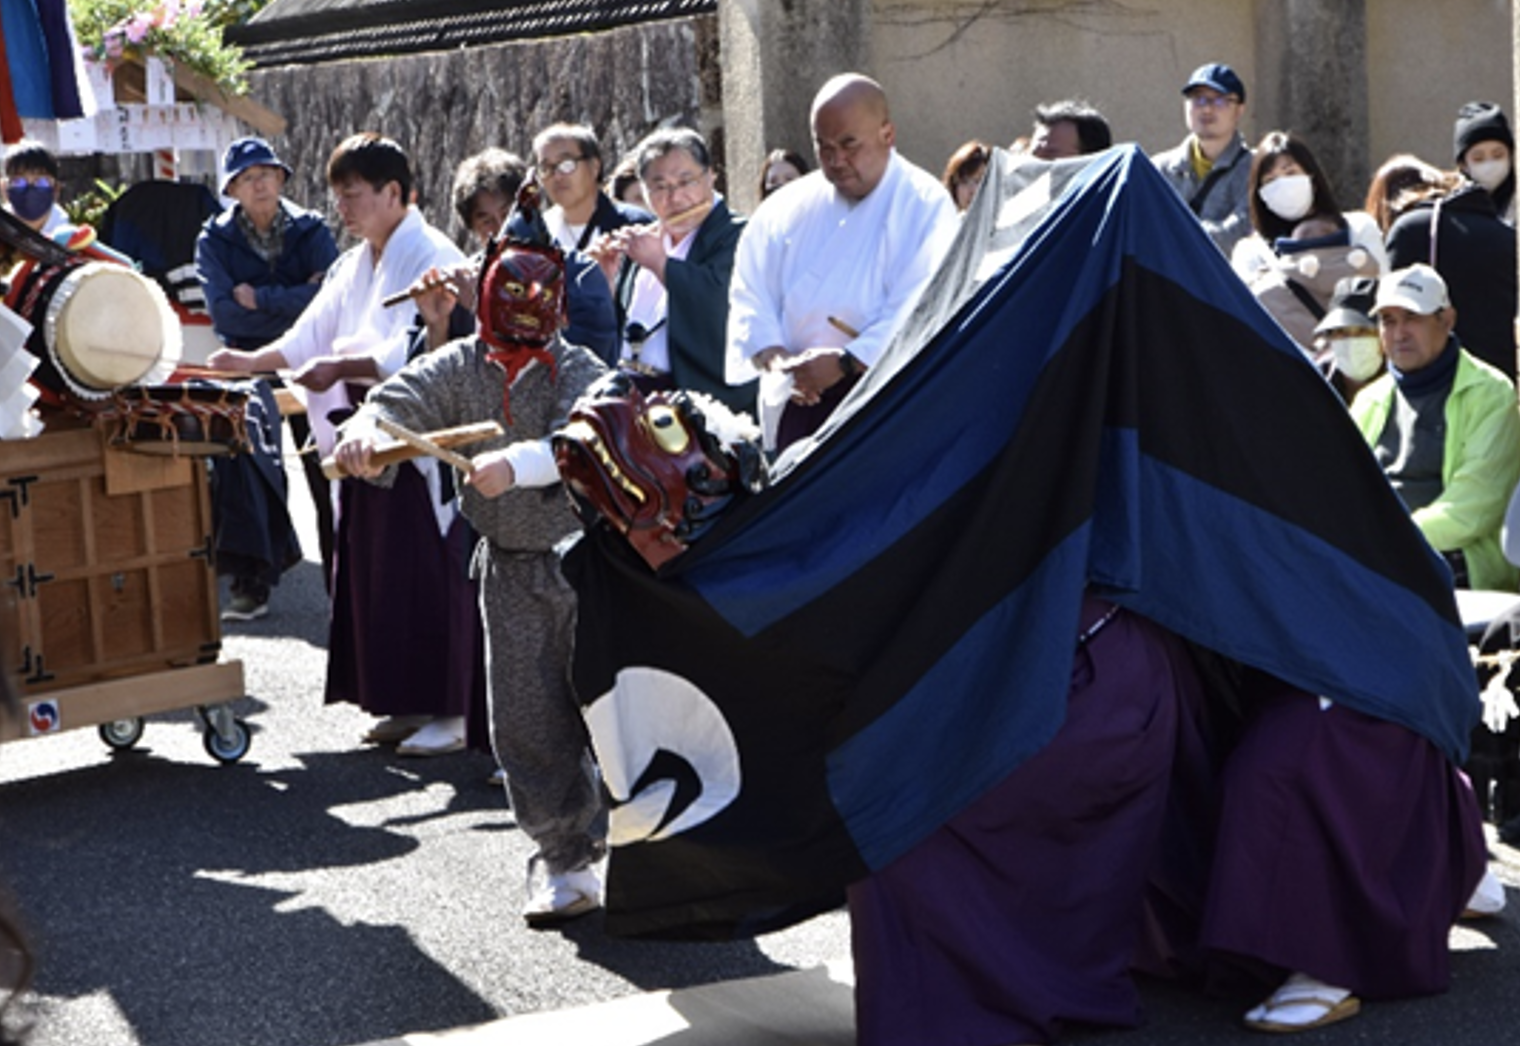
1485 151
1303 243
1350 354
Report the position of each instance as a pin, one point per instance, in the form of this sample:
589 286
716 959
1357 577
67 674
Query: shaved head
852 133
853 89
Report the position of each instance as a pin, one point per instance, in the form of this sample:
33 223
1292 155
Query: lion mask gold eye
668 432
514 289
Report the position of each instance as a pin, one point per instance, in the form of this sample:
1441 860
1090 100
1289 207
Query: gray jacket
1225 210
456 385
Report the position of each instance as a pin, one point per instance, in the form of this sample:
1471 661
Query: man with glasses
31 187
569 162
1211 169
672 286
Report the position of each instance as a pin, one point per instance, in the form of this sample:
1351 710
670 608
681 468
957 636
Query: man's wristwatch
850 365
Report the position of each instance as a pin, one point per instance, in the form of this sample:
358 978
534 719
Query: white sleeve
532 463
918 238
754 299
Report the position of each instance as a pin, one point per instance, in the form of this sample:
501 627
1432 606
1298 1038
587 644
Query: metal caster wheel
122 734
229 745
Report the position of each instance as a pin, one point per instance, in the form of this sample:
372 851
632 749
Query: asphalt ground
326 893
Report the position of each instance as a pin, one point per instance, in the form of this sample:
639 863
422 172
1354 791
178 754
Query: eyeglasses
565 166
670 188
256 173
1212 101
41 181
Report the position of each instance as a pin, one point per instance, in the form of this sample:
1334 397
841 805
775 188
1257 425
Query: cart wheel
232 748
122 734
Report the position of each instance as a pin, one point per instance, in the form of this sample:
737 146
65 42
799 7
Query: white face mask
1489 173
1290 197
1359 356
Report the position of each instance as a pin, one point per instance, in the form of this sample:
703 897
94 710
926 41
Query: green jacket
1480 466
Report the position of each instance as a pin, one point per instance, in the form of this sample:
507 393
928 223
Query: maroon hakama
405 636
1347 847
1024 910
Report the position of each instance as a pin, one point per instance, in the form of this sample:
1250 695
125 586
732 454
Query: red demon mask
650 467
522 296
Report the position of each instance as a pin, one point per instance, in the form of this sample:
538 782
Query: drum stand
108 597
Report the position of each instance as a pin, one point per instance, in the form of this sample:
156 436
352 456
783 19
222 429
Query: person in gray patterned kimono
518 371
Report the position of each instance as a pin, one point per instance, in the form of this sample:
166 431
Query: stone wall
442 107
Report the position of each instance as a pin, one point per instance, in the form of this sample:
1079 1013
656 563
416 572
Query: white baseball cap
1418 288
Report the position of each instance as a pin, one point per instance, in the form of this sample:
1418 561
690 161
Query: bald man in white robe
829 266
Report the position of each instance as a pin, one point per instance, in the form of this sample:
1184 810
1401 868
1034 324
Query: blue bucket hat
245 153
1218 76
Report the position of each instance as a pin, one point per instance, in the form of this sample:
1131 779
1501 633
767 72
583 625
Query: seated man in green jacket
1445 428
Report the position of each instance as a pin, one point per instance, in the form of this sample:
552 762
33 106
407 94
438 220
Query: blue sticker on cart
44 717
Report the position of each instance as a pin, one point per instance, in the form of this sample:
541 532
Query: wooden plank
105 702
266 121
129 473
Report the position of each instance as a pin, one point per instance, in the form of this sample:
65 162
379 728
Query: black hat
1480 122
1350 305
1220 77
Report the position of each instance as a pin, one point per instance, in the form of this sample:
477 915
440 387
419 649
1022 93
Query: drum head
109 326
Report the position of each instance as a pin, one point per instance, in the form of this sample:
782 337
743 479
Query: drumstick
191 371
843 327
416 290
392 453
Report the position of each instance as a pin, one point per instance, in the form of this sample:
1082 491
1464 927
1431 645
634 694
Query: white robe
347 319
810 254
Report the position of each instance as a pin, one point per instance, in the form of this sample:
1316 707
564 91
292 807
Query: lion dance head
658 468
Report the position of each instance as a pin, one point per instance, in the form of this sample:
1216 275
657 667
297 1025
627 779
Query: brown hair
1401 182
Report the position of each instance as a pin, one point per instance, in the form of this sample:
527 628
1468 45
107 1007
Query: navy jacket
697 309
224 258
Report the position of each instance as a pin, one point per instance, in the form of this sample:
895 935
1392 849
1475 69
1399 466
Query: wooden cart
109 600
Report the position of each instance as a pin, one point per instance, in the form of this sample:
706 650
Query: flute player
671 280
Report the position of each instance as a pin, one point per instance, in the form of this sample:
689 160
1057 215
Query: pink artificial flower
167 12
193 9
138 26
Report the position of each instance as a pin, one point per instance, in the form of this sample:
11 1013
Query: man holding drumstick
827 270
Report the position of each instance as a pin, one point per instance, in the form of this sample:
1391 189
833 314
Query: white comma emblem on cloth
647 711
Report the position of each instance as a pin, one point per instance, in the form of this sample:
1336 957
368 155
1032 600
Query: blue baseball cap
245 153
1218 76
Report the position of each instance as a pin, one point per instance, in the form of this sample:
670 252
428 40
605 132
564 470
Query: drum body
195 420
96 327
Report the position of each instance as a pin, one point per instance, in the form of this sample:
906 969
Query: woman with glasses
671 284
31 187
569 162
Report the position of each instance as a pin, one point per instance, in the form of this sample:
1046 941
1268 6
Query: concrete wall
1360 79
959 69
1426 59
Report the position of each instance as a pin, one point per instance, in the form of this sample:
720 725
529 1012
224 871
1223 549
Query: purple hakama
405 637
1024 910
1347 847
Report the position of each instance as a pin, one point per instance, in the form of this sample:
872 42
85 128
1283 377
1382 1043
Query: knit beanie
1480 122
